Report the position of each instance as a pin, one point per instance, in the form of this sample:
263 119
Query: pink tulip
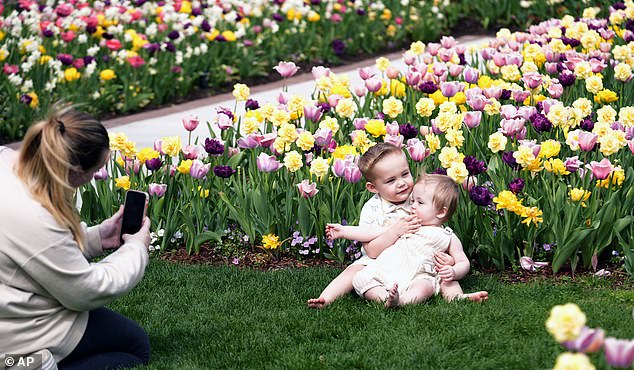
312 113
513 128
333 99
439 69
551 67
477 102
469 183
631 145
157 190
509 111
448 42
520 95
286 69
546 104
113 44
366 72
132 165
587 140
190 123
135 61
499 59
449 89
471 75
409 58
526 112
319 72
392 128
64 10
339 166
528 264
412 78
248 142
359 123
432 48
307 189
472 119
532 80
199 169
417 150
352 174
101 174
588 341
224 121
360 91
551 56
396 140
322 136
455 70
572 163
601 170
445 55
555 90
68 36
392 72
521 37
158 146
373 84
231 151
597 65
619 352
514 59
282 98
493 92
488 53
267 163
190 151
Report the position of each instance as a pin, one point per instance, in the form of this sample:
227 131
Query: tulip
199 169
409 58
520 95
373 84
307 189
631 145
158 146
472 119
193 152
246 142
528 264
224 171
214 146
392 72
392 128
445 55
417 150
360 91
333 99
516 185
526 112
477 102
493 92
352 174
396 140
359 123
532 80
601 170
412 78
157 190
366 73
312 113
432 48
449 89
555 90
508 111
619 352
551 67
455 70
499 59
282 98
319 72
588 341
587 140
267 163
471 75
572 163
101 174
286 69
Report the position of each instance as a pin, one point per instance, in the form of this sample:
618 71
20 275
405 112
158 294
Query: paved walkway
144 128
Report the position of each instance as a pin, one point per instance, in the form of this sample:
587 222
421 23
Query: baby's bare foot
318 302
393 297
477 296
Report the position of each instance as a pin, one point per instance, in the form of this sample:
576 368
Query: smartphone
133 212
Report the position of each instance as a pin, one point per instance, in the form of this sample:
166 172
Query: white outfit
379 212
410 258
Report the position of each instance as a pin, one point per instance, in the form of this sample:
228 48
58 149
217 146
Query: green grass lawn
202 317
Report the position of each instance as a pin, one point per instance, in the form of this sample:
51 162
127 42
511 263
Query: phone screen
133 212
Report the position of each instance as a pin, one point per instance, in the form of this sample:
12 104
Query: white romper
410 258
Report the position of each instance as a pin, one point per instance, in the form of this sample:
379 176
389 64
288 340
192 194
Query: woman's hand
110 229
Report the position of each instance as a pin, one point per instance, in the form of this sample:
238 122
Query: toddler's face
392 178
422 204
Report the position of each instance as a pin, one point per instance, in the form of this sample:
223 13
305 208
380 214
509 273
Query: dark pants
111 341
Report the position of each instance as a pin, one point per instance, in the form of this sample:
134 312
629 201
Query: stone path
144 128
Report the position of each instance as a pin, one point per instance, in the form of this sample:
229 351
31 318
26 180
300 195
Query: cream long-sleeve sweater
47 285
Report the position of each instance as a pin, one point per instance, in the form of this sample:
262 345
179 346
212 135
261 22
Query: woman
52 296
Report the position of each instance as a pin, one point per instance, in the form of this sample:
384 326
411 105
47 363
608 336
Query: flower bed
537 127
121 56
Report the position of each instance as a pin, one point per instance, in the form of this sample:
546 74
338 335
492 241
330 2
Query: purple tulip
428 87
251 104
153 164
359 123
541 123
199 169
516 185
588 341
214 146
157 190
507 157
472 119
520 95
601 170
307 189
481 196
408 131
101 174
619 352
224 171
267 163
286 69
474 166
567 78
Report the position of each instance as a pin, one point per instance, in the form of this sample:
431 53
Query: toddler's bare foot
393 297
477 296
317 302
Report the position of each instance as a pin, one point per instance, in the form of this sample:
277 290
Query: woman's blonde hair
51 147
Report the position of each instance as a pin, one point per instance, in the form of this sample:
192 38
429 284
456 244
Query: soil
262 261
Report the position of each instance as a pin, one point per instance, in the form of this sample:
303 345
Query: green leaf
207 236
570 247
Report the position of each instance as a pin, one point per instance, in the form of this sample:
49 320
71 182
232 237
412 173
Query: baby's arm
461 266
406 225
360 233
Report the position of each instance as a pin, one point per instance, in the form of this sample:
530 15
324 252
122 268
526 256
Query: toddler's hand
406 225
334 231
442 258
446 273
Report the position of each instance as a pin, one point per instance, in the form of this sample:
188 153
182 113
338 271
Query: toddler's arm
360 233
461 266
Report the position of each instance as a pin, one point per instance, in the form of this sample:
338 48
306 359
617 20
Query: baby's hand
442 258
334 231
406 225
446 273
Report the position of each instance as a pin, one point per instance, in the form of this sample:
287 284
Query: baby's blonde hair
446 192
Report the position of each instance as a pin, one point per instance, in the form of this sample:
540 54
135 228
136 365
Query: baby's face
392 178
422 204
